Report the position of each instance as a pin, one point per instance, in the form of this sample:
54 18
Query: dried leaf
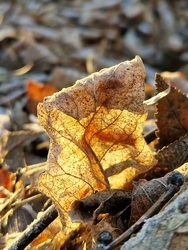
35 93
93 125
11 147
146 193
183 169
22 210
166 230
178 80
172 113
18 219
2 242
82 237
28 50
108 201
169 158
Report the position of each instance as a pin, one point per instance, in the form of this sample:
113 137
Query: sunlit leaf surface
95 129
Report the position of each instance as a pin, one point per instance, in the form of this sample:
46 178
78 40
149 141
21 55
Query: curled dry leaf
93 125
108 201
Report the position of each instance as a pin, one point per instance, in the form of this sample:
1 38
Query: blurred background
48 45
65 40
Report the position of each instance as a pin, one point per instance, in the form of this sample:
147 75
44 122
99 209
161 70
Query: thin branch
11 199
34 229
27 200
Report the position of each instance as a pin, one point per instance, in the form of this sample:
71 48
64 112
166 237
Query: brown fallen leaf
169 158
28 51
12 147
18 219
93 125
178 80
166 230
107 201
146 193
36 92
172 113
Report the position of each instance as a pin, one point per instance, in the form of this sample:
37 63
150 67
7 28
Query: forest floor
46 46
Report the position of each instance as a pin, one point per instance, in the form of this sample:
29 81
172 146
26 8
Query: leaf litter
96 149
99 127
28 33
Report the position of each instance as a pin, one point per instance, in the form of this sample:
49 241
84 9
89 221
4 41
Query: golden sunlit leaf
94 125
